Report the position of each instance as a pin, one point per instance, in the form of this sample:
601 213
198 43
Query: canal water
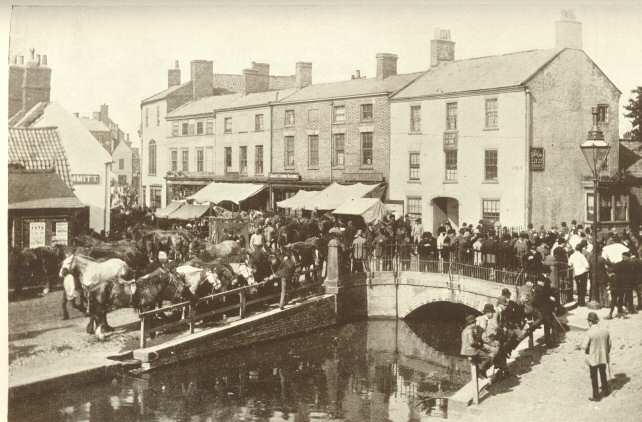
366 371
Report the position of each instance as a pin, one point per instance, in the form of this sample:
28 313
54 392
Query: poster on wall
395 208
36 234
536 159
62 230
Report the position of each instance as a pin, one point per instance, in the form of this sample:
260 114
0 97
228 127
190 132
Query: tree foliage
634 112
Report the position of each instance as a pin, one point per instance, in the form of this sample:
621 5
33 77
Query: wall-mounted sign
285 176
536 159
62 230
85 179
37 234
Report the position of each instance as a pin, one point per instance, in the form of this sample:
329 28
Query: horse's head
67 265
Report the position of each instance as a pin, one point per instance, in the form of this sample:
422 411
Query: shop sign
62 230
37 234
536 159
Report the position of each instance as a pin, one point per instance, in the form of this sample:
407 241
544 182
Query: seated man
491 336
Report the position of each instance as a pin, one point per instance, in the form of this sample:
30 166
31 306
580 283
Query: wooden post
474 381
531 340
190 310
143 332
242 304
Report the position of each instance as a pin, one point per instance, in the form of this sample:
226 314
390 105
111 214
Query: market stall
370 209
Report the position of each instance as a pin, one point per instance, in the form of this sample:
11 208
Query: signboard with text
62 230
536 159
85 179
37 234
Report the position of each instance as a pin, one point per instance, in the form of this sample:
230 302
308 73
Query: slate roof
203 105
94 125
258 99
352 88
34 189
504 70
164 93
38 149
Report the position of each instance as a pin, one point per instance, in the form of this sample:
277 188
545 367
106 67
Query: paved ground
554 385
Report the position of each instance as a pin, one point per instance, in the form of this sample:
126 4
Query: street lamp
595 151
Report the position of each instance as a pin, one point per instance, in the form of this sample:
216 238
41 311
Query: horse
97 280
224 249
158 286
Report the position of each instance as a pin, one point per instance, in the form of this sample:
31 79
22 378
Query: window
227 125
602 113
200 159
612 207
184 128
451 164
413 206
338 160
258 159
121 164
228 159
313 115
209 127
366 112
313 151
157 115
414 166
258 123
490 210
620 207
191 129
243 160
289 117
155 196
366 149
589 206
415 118
146 116
339 114
122 179
605 207
174 128
451 116
491 113
173 159
490 164
199 128
151 170
289 152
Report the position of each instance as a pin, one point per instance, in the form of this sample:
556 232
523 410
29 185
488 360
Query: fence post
190 310
474 381
143 331
242 304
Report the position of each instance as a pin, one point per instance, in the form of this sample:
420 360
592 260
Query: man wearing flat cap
597 347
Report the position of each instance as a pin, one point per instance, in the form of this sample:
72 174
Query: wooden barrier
188 309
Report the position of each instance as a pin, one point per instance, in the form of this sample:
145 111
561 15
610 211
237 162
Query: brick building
497 137
160 120
104 129
337 131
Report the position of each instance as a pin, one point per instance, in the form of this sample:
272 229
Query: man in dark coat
625 274
544 303
286 274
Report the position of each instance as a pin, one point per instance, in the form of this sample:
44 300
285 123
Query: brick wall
563 94
315 314
16 74
324 128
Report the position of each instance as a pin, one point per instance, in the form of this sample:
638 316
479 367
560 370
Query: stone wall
301 318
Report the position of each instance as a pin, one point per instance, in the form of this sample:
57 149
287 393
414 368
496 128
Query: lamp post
595 151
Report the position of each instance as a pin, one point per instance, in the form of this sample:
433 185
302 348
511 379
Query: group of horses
99 276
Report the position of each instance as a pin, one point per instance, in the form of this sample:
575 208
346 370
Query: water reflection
370 371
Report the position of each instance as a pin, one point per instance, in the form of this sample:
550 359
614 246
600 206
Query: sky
118 52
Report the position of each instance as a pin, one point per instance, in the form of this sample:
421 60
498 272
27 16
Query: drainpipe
527 172
332 141
107 196
270 190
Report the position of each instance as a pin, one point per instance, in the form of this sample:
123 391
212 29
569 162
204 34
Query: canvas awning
297 201
189 212
334 195
164 212
371 209
234 192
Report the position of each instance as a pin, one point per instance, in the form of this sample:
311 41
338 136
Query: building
89 165
165 129
29 83
104 129
334 132
631 172
497 138
123 164
43 210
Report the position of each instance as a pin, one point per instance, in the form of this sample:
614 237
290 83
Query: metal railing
223 302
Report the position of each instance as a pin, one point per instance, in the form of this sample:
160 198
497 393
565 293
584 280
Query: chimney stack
174 75
442 49
35 86
44 60
386 65
77 115
104 113
202 76
263 75
568 31
303 76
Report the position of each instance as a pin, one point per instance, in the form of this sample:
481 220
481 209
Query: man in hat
597 347
544 304
471 344
624 272
359 255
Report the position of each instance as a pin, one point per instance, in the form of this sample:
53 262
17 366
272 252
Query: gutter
497 90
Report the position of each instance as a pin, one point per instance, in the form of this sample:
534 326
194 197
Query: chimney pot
176 66
442 49
357 74
44 60
38 59
77 115
21 59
